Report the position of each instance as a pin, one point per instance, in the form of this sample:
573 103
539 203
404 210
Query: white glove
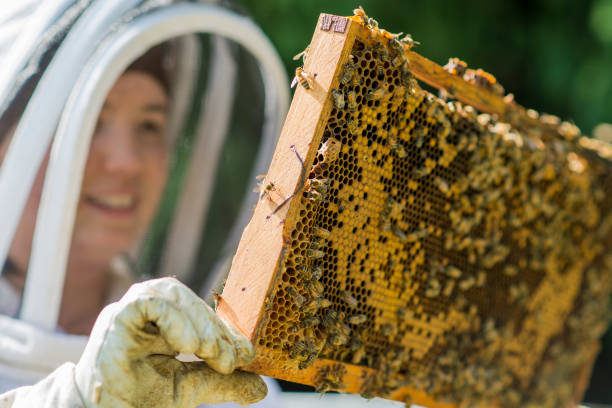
129 359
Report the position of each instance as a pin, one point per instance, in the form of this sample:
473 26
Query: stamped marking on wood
338 22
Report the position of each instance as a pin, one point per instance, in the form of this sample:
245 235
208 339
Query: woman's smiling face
127 166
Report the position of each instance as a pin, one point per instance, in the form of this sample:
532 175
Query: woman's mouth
113 204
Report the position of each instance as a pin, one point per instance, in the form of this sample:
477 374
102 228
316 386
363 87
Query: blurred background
554 55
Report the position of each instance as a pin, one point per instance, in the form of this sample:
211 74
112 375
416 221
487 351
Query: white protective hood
98 40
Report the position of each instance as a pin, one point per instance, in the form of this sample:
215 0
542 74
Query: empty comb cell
448 252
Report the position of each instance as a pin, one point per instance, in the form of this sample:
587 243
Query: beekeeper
129 358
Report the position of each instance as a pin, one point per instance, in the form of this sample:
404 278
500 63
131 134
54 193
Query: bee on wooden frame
303 78
262 188
303 54
338 99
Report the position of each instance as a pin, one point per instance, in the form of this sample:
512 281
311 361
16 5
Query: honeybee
309 308
216 298
329 378
421 172
397 47
518 292
372 24
408 41
314 305
453 272
314 196
318 243
388 329
444 129
328 152
348 73
321 232
397 231
398 148
403 314
467 283
510 270
309 321
350 300
338 339
389 35
360 12
343 327
394 208
420 136
316 272
315 254
307 351
368 387
432 293
314 287
262 188
352 126
481 279
434 288
359 351
300 348
299 299
322 303
376 94
310 358
303 54
382 51
330 319
320 185
569 131
358 319
397 61
455 66
338 99
407 78
315 191
303 77
351 98
483 79
448 288
416 235
442 186
490 332
304 272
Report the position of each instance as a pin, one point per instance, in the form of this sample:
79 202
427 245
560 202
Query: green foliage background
554 55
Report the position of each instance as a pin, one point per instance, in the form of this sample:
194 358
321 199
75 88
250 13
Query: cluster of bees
310 300
448 212
330 377
477 77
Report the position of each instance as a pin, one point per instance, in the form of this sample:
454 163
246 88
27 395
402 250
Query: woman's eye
150 127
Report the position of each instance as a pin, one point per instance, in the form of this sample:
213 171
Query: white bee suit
129 359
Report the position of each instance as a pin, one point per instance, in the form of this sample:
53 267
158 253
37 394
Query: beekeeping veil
62 57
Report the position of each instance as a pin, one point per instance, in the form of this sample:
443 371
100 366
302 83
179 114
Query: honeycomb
438 248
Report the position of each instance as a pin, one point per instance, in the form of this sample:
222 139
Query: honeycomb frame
285 292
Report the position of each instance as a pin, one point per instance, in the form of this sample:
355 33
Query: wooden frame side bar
252 276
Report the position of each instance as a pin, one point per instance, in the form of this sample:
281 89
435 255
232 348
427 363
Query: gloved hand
129 360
